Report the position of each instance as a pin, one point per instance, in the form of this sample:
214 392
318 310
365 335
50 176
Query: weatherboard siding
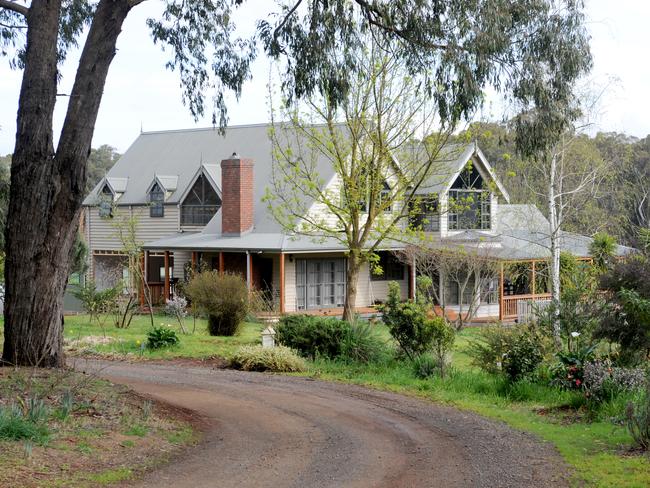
102 232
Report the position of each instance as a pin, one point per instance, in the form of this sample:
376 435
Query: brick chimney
237 203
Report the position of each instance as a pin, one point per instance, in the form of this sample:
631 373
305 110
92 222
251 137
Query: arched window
201 203
156 201
106 202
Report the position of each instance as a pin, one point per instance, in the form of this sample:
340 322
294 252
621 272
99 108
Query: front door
320 283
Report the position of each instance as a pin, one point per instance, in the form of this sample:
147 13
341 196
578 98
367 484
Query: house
197 197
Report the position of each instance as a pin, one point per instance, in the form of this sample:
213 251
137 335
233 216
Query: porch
263 272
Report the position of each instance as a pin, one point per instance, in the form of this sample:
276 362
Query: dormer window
156 201
106 202
201 203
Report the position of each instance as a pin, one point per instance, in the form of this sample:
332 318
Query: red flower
578 382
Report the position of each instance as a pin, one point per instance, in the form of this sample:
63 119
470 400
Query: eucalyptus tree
455 48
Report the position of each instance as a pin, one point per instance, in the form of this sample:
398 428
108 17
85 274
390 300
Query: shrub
362 344
222 297
177 308
312 336
424 366
602 249
603 382
443 340
407 323
257 358
488 350
569 370
524 353
94 301
637 416
160 337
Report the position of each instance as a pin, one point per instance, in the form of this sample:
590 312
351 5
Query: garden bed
61 428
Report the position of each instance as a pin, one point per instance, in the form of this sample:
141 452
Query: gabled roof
212 172
168 183
117 185
451 160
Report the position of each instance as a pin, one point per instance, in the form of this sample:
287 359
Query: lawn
597 448
83 337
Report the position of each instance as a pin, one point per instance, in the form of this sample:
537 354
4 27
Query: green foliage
314 336
407 323
100 161
425 366
637 416
517 352
570 370
524 354
16 424
488 350
626 320
602 250
95 301
79 261
277 359
442 342
362 344
160 337
223 297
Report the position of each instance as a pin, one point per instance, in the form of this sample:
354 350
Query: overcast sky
141 93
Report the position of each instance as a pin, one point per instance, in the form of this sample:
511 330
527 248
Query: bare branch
14 7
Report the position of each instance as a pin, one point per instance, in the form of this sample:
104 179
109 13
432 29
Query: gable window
106 202
469 202
391 267
384 196
156 201
424 214
201 203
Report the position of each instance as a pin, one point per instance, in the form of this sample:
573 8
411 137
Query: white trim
486 167
199 172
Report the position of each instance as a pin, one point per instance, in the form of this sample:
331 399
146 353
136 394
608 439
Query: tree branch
14 7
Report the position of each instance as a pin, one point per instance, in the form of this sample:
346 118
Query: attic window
384 196
156 201
201 203
106 202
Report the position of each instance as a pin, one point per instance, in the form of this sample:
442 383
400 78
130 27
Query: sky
141 94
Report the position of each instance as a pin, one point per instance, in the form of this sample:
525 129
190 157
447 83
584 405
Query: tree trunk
351 280
47 188
554 229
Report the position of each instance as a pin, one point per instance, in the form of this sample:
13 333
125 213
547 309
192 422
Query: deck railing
510 307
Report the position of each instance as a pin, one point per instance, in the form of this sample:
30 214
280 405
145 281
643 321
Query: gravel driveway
275 431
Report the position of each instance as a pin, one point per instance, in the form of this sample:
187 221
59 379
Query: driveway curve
264 430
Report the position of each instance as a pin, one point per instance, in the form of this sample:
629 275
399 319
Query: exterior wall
368 291
180 258
101 232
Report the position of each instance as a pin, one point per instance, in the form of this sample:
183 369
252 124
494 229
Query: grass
597 450
61 428
84 337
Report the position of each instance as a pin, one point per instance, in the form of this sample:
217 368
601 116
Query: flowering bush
176 307
601 379
569 371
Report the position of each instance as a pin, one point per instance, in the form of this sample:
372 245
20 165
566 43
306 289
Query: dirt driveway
275 431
